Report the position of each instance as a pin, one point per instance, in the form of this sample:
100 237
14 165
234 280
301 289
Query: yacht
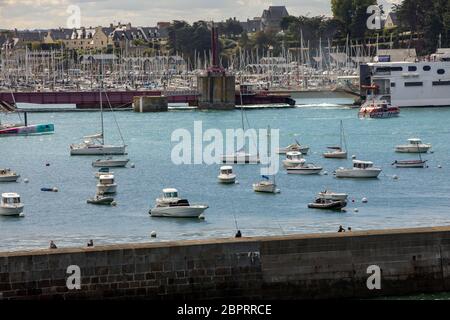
411 83
171 205
106 185
360 169
330 195
226 175
378 109
339 152
6 175
305 169
110 162
409 163
94 145
293 159
295 147
415 145
266 186
11 205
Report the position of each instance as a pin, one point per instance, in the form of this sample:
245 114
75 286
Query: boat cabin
357 164
10 198
106 179
415 141
226 170
294 155
170 193
103 170
5 171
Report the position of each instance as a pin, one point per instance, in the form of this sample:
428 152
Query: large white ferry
411 84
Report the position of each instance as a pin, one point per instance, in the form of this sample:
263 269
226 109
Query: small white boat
106 185
226 175
293 159
93 145
240 157
11 205
103 171
294 147
415 146
6 175
339 152
171 205
265 186
305 169
360 169
330 195
110 162
410 163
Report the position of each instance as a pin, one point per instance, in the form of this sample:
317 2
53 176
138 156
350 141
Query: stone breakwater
286 267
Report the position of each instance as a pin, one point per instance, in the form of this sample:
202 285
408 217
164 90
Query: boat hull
105 201
9 178
304 171
178 212
335 155
412 149
97 150
11 210
227 179
265 188
358 174
106 189
410 164
28 130
332 205
110 164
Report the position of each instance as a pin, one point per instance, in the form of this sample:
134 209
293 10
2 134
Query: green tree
353 15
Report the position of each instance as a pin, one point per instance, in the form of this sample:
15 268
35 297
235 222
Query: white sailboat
266 185
95 144
339 152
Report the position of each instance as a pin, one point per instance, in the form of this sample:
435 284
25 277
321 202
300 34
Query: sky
41 14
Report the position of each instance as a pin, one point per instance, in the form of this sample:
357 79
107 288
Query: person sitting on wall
90 243
53 245
238 234
341 229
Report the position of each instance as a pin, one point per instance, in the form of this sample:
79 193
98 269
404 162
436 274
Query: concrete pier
150 104
335 265
216 91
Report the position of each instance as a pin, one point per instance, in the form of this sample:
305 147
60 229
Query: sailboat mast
101 102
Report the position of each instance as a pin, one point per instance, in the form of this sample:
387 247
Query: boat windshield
227 171
107 181
171 195
11 200
362 165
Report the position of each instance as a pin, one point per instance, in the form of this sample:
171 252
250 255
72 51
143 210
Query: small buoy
21 214
47 164
432 151
353 157
236 182
54 189
364 200
395 177
153 234
353 200
356 210
439 166
325 173
114 203
132 165
202 216
26 180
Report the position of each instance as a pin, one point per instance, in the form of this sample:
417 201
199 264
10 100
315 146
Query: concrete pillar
216 91
150 104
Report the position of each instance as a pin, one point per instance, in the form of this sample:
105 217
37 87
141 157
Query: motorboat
27 129
339 152
360 169
94 145
101 200
330 195
293 159
378 109
410 163
240 157
11 205
295 147
226 175
305 169
171 205
103 171
106 185
415 145
327 204
110 162
6 175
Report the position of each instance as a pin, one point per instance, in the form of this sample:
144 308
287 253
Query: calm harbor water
420 197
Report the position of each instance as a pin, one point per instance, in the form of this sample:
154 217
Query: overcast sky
30 14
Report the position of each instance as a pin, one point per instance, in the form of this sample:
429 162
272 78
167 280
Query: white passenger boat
11 205
226 175
171 205
339 152
295 147
106 185
330 195
305 169
360 169
293 159
110 162
415 145
6 175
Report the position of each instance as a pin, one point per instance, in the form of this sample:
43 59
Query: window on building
396 68
413 84
441 83
441 71
412 68
426 68
392 84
